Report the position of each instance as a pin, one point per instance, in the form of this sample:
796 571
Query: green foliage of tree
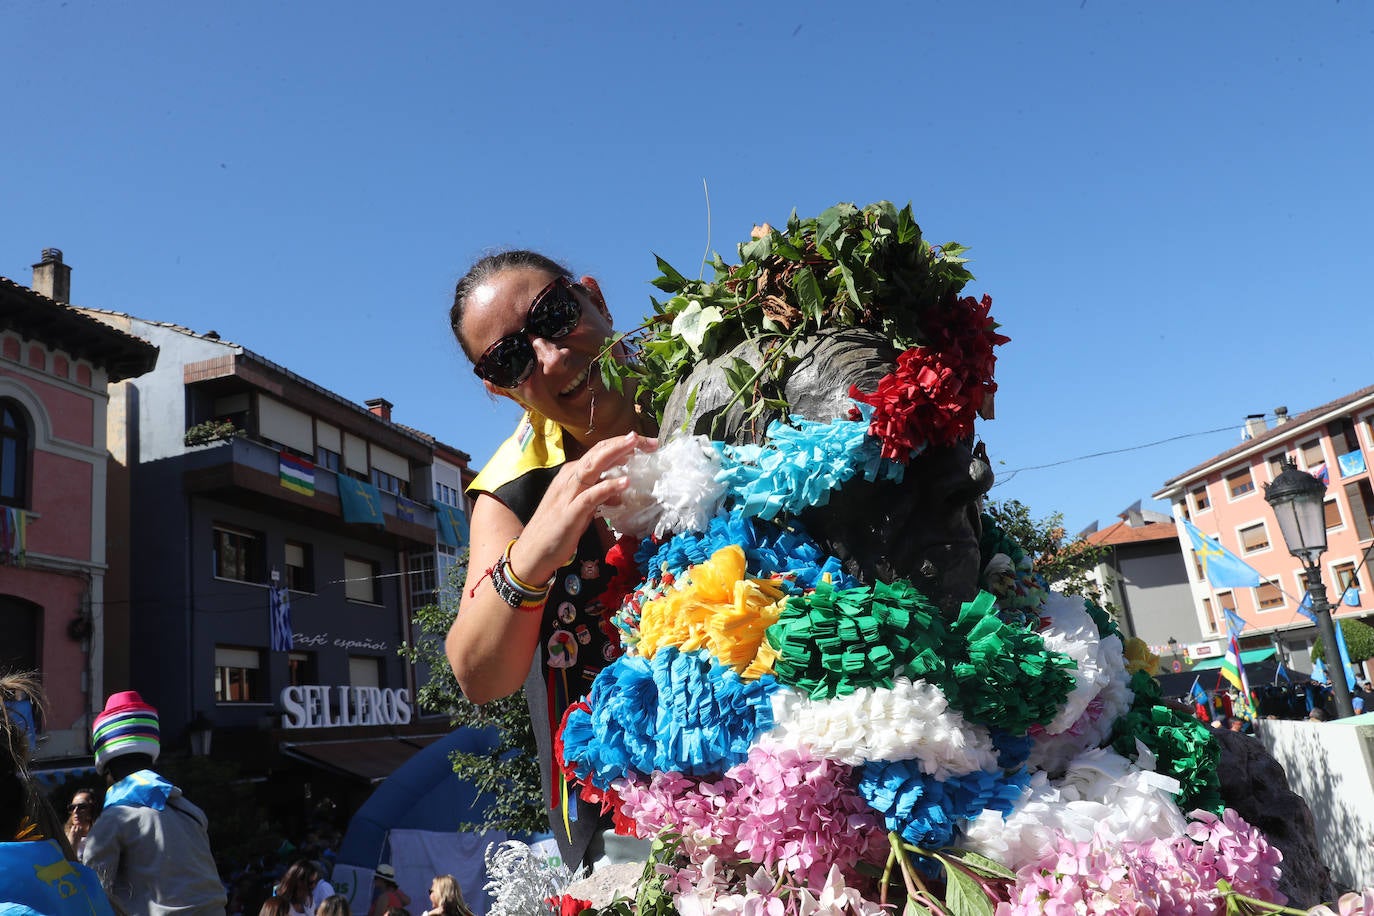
509 775
1063 561
1359 641
240 828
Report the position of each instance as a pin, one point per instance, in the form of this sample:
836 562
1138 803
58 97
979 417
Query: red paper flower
936 390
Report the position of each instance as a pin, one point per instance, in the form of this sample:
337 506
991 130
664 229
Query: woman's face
82 808
434 895
565 383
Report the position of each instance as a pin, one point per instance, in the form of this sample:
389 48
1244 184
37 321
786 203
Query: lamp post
1173 650
200 730
1297 500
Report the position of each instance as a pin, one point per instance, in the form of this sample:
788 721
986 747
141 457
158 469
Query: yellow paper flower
717 608
1140 658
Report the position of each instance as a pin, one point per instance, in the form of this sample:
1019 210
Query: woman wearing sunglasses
529 614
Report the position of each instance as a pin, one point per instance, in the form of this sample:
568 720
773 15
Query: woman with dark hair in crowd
39 872
529 613
297 886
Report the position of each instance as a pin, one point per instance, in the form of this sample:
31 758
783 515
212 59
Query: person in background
150 846
323 889
297 888
334 905
275 906
82 811
446 898
386 893
38 873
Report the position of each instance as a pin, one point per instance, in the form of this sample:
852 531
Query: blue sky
1170 203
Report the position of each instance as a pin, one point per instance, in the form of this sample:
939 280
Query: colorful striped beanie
127 726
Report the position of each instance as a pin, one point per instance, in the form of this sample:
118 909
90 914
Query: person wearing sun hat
150 846
387 893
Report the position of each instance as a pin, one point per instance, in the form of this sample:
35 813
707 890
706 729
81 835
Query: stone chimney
380 407
1255 426
1281 415
52 278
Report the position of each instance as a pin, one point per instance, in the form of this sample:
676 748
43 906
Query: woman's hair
295 884
450 896
275 906
488 267
21 703
334 905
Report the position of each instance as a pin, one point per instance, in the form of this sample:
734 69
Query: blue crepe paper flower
926 811
798 465
679 711
769 550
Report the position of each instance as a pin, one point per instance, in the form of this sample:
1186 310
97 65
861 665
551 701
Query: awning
371 759
53 777
1247 657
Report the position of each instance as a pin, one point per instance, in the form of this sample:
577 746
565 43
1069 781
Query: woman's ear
594 290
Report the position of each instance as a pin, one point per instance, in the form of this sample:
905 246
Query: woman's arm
491 644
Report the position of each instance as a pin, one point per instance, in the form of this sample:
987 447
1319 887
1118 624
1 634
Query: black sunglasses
80 806
553 315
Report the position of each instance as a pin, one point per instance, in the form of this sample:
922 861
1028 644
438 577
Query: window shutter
1360 511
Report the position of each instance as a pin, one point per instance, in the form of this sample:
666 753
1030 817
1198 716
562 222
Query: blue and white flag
1319 672
1234 622
1351 596
1345 656
1196 692
1220 567
279 612
1305 607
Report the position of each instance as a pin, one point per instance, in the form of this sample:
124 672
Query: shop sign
316 640
316 706
1204 649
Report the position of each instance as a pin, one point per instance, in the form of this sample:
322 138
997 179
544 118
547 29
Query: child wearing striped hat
150 846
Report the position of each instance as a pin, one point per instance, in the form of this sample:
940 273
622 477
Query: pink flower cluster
782 808
1174 877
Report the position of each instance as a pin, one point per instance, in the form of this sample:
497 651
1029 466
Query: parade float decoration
802 733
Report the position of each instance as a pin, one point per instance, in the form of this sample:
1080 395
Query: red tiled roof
1122 533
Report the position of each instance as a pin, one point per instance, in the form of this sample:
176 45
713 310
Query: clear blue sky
1170 203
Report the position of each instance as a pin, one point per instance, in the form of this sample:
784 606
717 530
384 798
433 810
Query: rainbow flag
296 474
1234 671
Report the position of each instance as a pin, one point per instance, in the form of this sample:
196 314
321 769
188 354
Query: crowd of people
140 846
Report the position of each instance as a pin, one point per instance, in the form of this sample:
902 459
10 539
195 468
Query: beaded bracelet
513 590
519 582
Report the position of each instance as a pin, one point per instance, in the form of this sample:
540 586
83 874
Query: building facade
248 485
1224 498
56 369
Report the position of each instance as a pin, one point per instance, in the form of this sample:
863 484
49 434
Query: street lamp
1298 502
200 730
1173 650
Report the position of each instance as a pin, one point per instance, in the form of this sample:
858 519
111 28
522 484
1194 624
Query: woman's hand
568 506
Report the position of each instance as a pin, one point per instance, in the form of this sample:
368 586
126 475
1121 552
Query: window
1333 514
327 459
447 495
389 483
1343 437
1361 499
360 580
1254 538
1227 600
300 566
14 454
1344 574
1268 596
301 669
1312 454
364 671
238 555
1210 613
238 675
421 580
21 621
1200 501
1275 463
1239 483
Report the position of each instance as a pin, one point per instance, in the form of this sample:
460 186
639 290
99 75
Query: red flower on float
937 389
609 799
568 905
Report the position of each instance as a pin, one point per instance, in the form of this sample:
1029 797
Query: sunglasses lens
556 314
508 362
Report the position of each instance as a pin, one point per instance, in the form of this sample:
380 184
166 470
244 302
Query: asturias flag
1220 566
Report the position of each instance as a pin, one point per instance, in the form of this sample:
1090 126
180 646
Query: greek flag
279 611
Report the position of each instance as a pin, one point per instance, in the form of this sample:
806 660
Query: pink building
1224 497
55 368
